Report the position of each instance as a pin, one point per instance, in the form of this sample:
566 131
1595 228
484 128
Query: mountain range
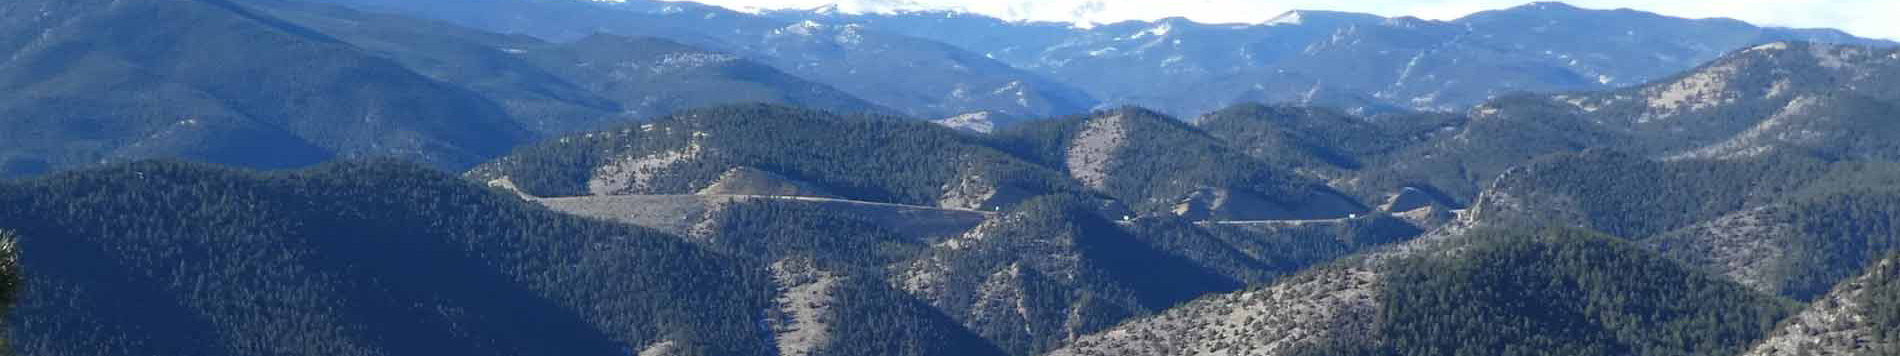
1359 62
513 177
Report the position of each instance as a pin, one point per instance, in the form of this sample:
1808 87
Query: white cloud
1861 17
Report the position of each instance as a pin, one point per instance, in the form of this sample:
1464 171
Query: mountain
1156 164
1858 318
389 258
103 81
559 88
1816 100
980 228
872 65
1493 292
1362 63
867 158
334 83
1320 141
1029 278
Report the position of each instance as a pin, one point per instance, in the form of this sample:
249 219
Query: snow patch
1777 46
979 122
1290 18
1581 103
1157 31
802 28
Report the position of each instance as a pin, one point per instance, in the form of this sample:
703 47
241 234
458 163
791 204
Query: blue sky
1870 18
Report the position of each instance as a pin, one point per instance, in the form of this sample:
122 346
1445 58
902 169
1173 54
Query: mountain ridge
1361 63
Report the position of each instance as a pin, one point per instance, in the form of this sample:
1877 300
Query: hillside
1786 225
1027 279
386 258
1860 317
1317 138
1553 288
104 81
1802 99
1158 165
878 159
1052 269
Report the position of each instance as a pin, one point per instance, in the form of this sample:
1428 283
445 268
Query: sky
1867 18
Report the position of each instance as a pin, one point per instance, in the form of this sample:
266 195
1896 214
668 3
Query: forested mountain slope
869 158
384 258
1158 165
1824 101
1493 292
1788 225
1028 279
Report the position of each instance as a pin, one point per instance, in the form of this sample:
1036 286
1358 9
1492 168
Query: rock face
1836 325
635 174
751 181
1091 154
976 191
806 296
1305 311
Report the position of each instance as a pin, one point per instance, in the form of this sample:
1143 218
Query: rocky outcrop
752 181
1836 325
1091 153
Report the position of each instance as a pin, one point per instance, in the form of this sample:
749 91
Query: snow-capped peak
885 7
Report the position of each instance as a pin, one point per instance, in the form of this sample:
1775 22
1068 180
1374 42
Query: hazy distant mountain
559 88
274 84
94 81
1362 63
918 77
